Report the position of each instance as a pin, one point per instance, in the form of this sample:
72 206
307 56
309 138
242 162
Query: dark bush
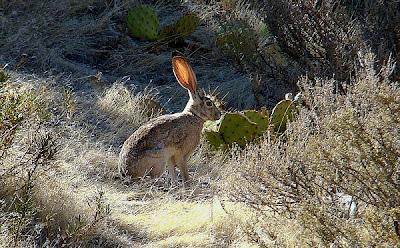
336 172
326 36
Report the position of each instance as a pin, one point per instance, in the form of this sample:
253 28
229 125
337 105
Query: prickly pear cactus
237 40
214 138
185 26
276 55
182 29
167 32
143 22
3 76
212 135
261 119
247 126
211 125
237 128
281 113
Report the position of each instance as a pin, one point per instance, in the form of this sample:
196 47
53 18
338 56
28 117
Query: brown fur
169 140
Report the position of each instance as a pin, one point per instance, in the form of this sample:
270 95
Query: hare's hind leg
153 163
146 166
157 166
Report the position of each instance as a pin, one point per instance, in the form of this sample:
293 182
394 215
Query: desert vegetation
75 82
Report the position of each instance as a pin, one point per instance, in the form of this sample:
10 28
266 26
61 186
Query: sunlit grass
183 223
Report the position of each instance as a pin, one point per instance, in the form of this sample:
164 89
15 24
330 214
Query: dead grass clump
38 205
68 25
126 110
26 152
335 173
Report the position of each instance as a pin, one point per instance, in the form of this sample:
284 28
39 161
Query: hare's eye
208 103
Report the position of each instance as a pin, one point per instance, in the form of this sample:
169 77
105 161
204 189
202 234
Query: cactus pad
143 22
211 125
237 128
246 126
182 29
237 40
3 76
214 138
167 32
259 118
276 55
281 113
185 26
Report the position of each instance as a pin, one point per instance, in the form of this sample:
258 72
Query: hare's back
164 131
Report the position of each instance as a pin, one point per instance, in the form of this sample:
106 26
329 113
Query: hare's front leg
172 170
183 166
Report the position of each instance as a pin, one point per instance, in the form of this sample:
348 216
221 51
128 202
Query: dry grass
197 227
94 85
64 196
82 38
334 172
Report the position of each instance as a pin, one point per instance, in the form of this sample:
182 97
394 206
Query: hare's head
199 104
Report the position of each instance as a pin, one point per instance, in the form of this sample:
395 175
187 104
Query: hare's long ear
184 73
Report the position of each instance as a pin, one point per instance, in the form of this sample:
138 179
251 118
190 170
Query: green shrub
27 157
18 174
283 40
15 109
80 228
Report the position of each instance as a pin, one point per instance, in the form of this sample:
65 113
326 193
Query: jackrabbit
169 140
